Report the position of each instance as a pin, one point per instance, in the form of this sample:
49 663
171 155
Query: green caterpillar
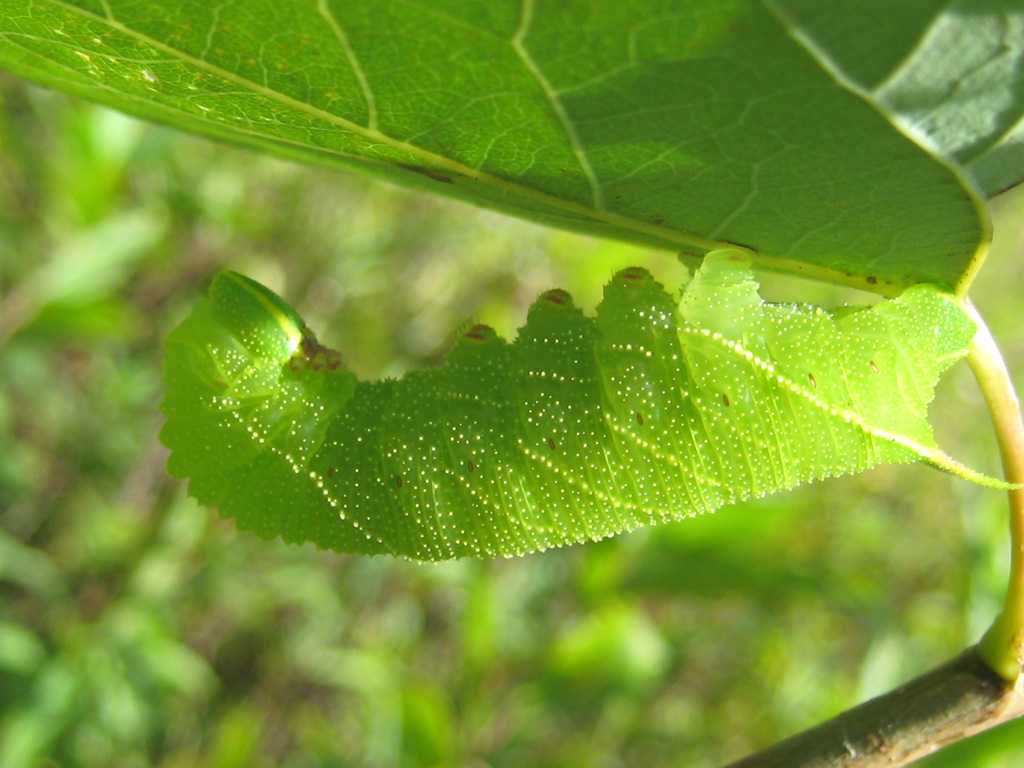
581 428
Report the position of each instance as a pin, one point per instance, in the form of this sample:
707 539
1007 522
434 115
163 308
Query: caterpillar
582 427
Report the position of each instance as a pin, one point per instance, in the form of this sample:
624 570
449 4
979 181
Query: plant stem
1002 647
956 700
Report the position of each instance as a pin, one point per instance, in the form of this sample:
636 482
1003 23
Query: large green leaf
680 123
951 74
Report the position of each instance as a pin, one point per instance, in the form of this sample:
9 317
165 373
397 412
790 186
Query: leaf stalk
1002 647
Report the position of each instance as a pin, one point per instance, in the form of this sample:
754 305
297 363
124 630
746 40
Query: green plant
758 168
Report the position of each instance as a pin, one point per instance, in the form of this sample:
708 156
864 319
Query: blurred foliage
139 630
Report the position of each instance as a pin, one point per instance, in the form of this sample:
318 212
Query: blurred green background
137 629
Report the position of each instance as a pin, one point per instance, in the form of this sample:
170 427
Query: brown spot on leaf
429 173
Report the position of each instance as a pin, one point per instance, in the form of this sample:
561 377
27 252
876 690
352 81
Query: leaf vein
357 69
519 46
